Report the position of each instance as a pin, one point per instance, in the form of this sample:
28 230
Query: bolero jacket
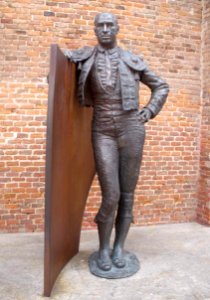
132 71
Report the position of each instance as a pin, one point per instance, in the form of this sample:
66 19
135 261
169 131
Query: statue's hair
105 13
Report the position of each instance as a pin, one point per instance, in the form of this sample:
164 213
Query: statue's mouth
105 37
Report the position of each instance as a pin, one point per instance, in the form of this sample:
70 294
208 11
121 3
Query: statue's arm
70 54
159 92
79 55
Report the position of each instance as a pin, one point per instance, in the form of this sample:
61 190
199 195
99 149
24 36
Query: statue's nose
105 28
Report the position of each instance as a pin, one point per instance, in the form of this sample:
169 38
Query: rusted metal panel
69 167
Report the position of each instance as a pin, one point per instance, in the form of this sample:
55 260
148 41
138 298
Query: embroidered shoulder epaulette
81 54
133 61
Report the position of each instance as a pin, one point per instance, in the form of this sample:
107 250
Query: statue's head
106 29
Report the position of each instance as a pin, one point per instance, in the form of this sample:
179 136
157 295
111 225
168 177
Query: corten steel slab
69 167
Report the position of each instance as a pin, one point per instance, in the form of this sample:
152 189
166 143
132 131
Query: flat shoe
119 262
103 265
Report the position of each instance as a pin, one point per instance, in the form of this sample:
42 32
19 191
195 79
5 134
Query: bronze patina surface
108 81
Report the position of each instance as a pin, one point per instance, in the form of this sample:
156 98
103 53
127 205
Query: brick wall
204 183
168 34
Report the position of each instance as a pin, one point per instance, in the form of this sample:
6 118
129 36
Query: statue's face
106 29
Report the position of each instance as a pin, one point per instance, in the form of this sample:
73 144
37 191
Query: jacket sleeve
159 91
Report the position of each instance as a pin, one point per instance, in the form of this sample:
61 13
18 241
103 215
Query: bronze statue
109 81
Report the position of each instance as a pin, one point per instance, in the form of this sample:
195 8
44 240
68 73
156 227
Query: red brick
170 40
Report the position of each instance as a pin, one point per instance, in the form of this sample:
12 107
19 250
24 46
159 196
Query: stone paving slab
175 265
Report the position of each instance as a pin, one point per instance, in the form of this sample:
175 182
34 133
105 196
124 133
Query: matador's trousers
118 139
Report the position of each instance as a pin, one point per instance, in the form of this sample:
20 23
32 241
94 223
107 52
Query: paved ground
175 265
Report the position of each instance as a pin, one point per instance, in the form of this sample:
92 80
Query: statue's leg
107 166
122 225
130 159
104 231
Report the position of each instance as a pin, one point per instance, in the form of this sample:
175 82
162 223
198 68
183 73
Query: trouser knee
108 207
125 208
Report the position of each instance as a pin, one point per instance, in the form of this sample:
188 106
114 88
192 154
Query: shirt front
104 75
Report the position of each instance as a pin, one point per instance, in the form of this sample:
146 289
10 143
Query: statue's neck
109 46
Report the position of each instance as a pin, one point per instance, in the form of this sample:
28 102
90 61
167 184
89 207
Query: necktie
108 69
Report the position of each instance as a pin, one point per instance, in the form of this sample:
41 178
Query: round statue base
131 267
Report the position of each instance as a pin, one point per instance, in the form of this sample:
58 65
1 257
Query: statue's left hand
145 115
68 53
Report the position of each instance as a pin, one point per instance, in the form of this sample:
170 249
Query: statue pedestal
132 266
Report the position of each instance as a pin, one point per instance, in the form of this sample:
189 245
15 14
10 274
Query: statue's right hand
144 115
68 53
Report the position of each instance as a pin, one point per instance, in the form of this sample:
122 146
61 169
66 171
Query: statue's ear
117 28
